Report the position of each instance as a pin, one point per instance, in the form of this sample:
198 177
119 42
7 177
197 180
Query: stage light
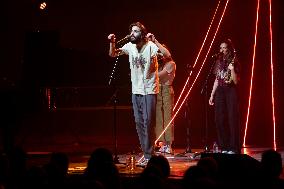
43 5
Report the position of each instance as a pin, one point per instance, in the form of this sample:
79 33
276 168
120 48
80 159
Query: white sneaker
166 149
143 163
231 152
162 149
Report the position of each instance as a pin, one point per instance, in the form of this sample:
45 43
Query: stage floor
179 161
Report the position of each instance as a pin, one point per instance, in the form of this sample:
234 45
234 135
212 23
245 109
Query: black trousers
227 118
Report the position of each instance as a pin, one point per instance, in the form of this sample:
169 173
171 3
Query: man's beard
135 40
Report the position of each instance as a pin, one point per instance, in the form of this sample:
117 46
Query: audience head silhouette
162 163
271 163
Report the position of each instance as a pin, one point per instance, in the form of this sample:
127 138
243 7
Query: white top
144 68
167 73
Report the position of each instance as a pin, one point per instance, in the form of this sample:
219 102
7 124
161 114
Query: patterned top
144 68
221 70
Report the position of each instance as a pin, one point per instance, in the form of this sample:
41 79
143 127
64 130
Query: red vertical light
252 70
272 78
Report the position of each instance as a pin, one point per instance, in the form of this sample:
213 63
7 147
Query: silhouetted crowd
102 173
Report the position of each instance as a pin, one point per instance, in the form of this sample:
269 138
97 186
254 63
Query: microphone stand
115 101
204 90
186 116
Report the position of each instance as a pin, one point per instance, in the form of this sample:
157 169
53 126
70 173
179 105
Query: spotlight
43 5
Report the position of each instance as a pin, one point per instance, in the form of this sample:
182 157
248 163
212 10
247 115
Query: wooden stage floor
179 161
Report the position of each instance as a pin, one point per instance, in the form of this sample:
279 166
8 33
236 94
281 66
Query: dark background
65 48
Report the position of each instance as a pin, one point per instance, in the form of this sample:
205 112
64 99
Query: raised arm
113 51
166 53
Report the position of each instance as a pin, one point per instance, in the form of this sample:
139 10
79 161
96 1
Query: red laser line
175 114
272 76
198 55
252 71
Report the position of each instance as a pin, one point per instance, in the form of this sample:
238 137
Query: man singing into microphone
142 51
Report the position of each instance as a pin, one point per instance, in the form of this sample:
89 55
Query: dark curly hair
141 26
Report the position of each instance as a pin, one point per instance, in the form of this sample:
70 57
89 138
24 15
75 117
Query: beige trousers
164 113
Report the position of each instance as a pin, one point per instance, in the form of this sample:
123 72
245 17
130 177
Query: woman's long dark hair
228 57
231 50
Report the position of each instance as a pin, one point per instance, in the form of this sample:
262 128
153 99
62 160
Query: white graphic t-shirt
144 68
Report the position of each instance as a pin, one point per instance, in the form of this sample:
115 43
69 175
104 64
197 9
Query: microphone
216 55
189 68
123 39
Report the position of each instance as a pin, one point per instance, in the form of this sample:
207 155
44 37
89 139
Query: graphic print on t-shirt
139 62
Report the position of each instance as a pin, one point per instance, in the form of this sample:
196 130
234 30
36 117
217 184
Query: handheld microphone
216 55
123 39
